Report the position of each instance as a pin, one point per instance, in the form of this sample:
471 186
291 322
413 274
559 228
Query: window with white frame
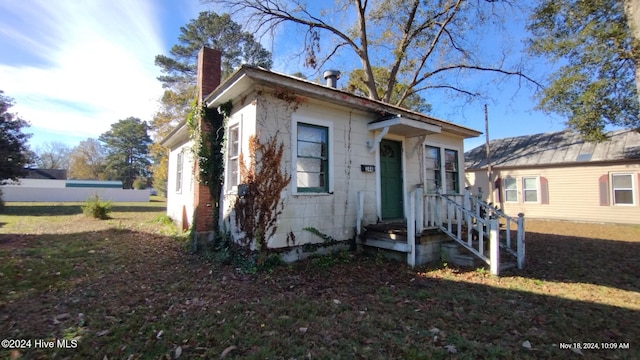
530 189
622 188
312 158
233 153
510 189
451 171
179 167
441 175
432 168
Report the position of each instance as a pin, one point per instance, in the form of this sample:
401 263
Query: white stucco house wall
336 145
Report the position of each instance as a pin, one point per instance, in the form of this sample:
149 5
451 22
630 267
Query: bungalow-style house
559 176
352 160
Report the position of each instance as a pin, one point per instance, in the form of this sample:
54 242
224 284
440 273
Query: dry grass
127 290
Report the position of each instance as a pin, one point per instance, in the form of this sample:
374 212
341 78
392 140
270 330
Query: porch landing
432 245
391 237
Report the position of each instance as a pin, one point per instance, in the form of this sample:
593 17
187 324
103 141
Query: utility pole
489 174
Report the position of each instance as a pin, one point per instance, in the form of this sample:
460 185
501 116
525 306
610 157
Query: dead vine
258 209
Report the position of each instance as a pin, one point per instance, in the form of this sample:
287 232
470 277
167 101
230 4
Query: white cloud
96 62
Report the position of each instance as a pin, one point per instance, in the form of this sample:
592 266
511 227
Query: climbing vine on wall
258 209
207 130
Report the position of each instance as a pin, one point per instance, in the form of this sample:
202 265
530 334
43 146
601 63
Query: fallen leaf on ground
227 351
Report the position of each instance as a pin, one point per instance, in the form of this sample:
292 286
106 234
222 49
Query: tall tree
632 9
357 86
14 150
213 31
127 145
422 44
53 155
88 161
174 106
595 84
179 67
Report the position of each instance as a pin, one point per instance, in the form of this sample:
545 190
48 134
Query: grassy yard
127 288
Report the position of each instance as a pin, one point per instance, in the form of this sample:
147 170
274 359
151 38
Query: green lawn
127 288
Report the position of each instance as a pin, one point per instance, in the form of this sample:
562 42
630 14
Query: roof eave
241 80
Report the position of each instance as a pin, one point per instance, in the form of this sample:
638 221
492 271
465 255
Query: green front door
391 179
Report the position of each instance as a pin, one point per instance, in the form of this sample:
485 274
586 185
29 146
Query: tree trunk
632 8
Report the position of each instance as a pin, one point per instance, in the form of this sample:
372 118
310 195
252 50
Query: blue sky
75 67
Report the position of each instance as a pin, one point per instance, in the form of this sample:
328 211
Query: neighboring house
559 176
337 145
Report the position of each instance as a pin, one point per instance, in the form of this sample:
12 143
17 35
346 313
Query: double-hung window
510 189
179 167
312 158
233 154
439 175
432 166
451 171
530 189
622 188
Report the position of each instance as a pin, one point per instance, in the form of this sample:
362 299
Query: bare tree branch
427 39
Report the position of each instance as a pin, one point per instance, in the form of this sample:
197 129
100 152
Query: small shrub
96 208
163 219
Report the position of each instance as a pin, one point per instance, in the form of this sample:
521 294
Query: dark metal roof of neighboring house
555 148
51 174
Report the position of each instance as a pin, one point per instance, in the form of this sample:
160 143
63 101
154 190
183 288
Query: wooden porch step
388 244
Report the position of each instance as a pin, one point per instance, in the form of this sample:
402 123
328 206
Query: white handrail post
467 201
494 247
411 232
521 242
359 213
419 210
438 209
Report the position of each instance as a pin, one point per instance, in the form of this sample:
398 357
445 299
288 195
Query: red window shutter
497 186
604 190
544 190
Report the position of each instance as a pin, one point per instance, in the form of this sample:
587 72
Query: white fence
20 193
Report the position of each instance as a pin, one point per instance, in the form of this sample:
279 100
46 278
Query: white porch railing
469 221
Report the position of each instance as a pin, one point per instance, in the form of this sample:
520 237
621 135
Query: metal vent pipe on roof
332 77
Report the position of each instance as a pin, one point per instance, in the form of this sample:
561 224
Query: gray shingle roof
562 147
51 174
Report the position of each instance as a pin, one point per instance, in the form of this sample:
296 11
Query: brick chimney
208 79
209 63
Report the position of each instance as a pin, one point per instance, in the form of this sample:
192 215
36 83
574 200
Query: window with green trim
312 162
